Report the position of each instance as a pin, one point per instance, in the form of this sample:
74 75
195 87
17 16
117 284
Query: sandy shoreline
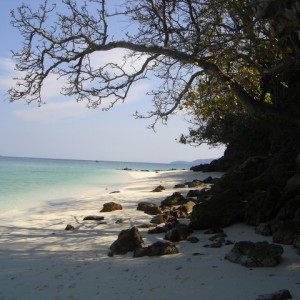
40 260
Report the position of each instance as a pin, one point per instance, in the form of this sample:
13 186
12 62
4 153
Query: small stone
93 218
193 239
280 295
69 227
111 206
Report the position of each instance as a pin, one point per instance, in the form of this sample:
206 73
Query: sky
63 128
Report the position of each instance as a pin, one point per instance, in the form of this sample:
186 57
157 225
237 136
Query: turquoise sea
31 182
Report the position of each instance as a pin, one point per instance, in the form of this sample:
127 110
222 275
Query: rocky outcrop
258 191
221 210
260 254
263 206
111 206
179 232
157 249
128 240
287 233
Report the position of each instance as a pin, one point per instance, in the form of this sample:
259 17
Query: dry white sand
40 260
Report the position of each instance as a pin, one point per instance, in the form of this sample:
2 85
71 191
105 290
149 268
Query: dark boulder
260 254
157 249
152 209
179 232
128 240
162 218
142 205
175 199
221 210
111 206
157 229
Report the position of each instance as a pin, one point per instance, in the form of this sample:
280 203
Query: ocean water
31 182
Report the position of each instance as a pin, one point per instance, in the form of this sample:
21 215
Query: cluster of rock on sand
171 218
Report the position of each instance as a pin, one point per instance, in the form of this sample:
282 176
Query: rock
157 229
214 230
111 206
152 209
280 295
293 185
221 210
69 227
260 254
298 163
195 183
159 188
193 193
179 213
179 232
297 243
93 218
287 233
175 199
263 206
289 210
146 225
163 218
218 237
128 240
187 207
214 245
157 249
179 186
202 195
192 239
208 179
142 205
264 229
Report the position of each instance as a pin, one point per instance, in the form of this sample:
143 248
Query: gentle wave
29 182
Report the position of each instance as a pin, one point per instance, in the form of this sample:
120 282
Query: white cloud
58 107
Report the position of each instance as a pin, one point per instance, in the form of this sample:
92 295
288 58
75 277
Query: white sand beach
40 260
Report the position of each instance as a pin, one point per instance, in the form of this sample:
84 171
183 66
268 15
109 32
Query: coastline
40 260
